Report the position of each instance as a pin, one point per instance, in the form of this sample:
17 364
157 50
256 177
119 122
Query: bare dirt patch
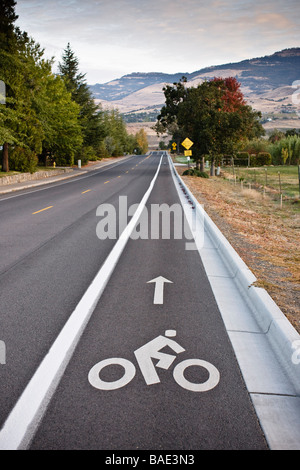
265 236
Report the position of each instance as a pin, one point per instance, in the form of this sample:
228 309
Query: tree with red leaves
232 97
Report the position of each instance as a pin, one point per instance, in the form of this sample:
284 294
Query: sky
112 38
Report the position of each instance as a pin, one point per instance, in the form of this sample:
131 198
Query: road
51 252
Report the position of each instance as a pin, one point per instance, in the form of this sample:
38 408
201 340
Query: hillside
259 77
265 81
128 84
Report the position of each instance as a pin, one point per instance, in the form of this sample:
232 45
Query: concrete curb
38 175
31 184
279 331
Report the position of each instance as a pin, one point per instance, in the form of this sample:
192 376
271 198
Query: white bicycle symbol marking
144 356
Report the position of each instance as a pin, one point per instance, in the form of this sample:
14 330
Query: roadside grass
9 173
265 235
182 159
276 179
12 173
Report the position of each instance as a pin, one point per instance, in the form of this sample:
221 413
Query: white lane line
24 419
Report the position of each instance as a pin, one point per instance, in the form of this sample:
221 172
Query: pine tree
69 69
7 19
90 117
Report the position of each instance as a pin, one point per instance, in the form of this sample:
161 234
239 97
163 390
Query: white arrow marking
159 289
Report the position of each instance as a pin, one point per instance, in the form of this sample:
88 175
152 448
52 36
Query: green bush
102 150
290 146
86 154
64 158
242 159
244 155
24 160
263 158
195 172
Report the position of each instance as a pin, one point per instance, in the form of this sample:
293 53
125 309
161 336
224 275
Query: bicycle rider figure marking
151 350
144 356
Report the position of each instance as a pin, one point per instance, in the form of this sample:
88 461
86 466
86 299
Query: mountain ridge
260 74
267 84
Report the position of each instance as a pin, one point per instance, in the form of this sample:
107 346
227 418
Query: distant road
172 380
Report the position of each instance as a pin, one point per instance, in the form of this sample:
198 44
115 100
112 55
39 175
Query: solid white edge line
23 421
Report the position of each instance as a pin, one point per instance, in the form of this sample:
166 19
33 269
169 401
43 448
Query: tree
90 113
214 115
286 150
174 96
19 57
39 115
142 141
276 135
59 117
69 70
46 114
7 19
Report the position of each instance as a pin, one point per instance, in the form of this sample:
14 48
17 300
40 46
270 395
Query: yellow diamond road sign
187 143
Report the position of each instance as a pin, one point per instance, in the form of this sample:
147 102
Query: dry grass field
266 236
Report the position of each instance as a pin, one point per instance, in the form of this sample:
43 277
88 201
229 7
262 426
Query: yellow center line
87 191
106 182
42 210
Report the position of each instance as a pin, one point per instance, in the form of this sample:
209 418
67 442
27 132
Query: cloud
120 36
275 20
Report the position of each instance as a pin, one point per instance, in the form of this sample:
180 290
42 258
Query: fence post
2 353
280 188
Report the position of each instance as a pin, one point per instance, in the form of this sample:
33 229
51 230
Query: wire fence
280 182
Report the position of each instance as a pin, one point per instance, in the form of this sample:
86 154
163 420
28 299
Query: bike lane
158 409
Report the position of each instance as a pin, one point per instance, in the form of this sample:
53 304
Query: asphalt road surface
152 368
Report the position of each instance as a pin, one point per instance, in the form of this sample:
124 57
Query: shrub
241 159
244 155
24 160
195 172
102 151
86 154
263 158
